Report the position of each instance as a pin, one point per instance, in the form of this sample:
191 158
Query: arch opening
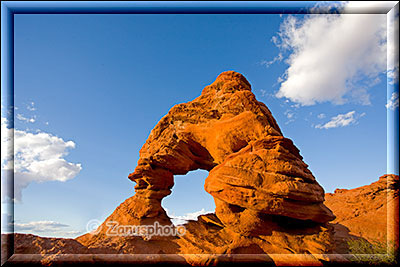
188 199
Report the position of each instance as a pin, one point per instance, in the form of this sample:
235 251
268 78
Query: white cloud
38 157
341 120
31 106
178 220
22 118
393 45
39 226
48 228
6 137
393 102
368 6
321 116
278 58
263 92
290 115
333 58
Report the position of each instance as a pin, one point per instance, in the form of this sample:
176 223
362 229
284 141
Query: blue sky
104 81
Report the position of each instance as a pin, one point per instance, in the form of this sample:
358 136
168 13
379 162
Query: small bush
373 252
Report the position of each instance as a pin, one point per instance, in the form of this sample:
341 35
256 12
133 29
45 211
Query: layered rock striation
266 197
253 168
370 211
269 205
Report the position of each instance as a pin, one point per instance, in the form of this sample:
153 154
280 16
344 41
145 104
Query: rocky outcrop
267 200
370 211
281 236
254 169
30 249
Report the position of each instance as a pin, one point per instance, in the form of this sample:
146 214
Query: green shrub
372 252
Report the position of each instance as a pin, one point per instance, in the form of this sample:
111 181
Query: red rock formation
253 168
267 200
44 250
208 241
364 210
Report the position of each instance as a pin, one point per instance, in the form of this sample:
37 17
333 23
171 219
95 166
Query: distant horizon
90 88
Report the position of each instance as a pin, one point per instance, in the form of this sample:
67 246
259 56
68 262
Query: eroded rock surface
267 200
370 211
253 168
266 197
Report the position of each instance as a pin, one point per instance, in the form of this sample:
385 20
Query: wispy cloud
267 63
321 116
290 115
38 157
332 58
31 106
393 102
341 120
45 227
39 226
178 220
22 118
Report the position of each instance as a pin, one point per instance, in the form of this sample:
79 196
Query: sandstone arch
266 197
253 168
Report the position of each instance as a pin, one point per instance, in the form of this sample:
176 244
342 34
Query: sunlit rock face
254 169
267 200
269 207
370 211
